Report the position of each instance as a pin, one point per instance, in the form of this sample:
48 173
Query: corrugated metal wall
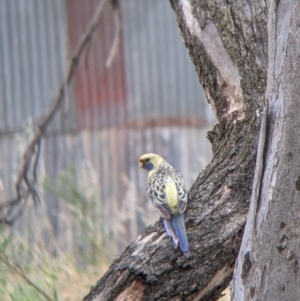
33 57
149 100
99 91
155 59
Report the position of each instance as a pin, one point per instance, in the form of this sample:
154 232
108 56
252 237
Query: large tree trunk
268 264
228 43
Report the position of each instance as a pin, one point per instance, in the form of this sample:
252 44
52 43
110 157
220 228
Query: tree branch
227 46
116 40
150 269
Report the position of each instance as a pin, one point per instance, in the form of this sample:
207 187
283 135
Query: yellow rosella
168 194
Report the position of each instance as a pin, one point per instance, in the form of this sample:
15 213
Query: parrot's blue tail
171 232
178 223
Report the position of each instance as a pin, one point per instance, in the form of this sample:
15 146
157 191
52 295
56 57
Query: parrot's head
150 161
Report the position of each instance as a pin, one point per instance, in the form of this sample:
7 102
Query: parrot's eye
147 160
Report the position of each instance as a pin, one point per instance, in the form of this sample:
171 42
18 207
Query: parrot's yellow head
150 161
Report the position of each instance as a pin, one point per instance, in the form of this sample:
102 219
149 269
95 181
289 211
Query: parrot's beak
141 163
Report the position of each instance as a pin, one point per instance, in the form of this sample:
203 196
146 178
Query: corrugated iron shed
149 100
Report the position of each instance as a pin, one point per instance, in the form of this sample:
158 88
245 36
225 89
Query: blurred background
143 96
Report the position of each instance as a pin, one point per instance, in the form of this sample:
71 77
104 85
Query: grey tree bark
228 44
268 262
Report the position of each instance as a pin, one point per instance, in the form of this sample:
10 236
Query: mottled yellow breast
171 196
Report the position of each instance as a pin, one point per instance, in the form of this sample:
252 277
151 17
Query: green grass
42 276
32 263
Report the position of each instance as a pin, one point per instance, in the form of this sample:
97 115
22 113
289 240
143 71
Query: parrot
168 194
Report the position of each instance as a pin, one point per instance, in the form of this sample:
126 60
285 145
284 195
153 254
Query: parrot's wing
181 192
159 204
182 206
157 194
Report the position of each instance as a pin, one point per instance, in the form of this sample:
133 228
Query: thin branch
25 182
14 267
87 54
114 47
67 100
9 203
85 39
37 160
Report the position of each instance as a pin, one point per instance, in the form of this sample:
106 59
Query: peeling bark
271 240
227 42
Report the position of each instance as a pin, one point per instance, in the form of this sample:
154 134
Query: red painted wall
99 91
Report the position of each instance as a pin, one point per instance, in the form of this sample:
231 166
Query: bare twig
26 180
114 46
37 160
87 54
14 267
67 100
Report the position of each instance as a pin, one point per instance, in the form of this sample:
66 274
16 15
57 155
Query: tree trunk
227 42
268 263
